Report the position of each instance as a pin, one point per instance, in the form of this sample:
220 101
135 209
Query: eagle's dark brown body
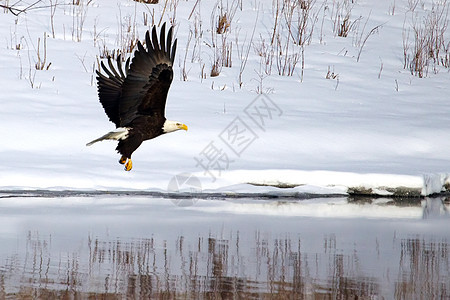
134 97
142 128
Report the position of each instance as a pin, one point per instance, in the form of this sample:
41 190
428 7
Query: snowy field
350 115
292 107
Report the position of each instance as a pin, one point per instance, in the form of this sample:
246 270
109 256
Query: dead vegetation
221 43
148 1
425 47
41 54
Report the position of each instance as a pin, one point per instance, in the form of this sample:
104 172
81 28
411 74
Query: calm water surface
135 247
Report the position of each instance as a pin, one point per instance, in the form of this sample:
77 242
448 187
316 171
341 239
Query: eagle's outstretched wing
110 88
145 88
141 87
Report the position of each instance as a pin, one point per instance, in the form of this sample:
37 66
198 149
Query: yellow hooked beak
183 126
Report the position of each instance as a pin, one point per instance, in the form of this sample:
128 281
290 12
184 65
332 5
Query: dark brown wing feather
110 88
145 88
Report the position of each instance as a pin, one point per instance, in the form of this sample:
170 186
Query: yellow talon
122 160
128 165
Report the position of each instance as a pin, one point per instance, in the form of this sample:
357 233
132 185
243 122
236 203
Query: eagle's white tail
118 134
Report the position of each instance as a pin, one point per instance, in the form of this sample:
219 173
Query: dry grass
215 69
194 44
41 55
79 14
429 48
6 7
293 26
445 55
266 53
332 75
243 52
184 72
280 46
223 24
148 1
341 17
221 20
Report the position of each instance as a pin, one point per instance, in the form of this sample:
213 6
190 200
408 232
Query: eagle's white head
170 126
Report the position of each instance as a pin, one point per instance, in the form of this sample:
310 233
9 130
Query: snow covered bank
266 183
351 183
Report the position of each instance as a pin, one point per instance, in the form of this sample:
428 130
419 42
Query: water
139 247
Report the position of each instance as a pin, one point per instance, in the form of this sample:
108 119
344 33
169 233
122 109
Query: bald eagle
134 98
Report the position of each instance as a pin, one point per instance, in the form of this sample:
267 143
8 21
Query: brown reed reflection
210 267
424 270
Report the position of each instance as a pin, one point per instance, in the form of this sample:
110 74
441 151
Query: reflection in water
434 208
218 250
217 268
423 270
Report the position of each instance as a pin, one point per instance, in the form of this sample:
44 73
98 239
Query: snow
375 127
